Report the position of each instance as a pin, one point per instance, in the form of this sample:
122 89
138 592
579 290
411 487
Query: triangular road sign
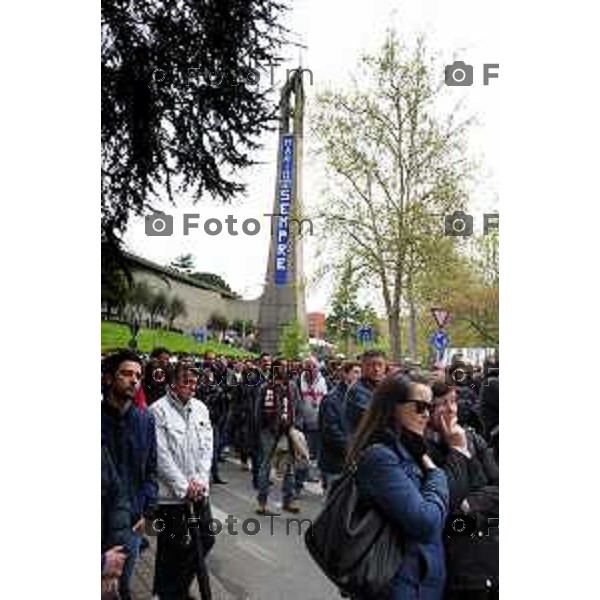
440 315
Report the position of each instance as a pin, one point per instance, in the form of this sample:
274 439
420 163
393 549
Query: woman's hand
454 434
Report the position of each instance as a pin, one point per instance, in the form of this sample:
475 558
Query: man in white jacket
184 441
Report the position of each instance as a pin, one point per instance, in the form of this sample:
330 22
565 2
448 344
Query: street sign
200 334
441 316
365 334
440 340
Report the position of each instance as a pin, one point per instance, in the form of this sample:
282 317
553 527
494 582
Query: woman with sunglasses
395 475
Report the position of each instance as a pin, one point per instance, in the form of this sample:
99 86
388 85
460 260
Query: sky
336 34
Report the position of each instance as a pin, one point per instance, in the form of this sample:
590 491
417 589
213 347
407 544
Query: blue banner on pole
282 232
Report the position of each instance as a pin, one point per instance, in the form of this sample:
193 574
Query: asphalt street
271 564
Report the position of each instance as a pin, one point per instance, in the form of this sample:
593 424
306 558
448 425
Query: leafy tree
218 323
181 111
345 314
487 256
114 292
395 164
464 284
139 299
243 327
215 280
158 305
294 341
184 264
175 308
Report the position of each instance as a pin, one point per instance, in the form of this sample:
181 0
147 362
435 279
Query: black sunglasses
421 406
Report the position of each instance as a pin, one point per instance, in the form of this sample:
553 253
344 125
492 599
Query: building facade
316 325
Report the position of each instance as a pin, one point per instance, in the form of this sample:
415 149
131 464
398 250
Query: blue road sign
365 333
440 340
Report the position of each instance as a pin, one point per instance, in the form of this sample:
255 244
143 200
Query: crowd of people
169 421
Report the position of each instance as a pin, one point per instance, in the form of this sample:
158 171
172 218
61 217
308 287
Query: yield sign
440 315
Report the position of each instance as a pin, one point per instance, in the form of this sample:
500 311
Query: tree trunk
412 331
394 332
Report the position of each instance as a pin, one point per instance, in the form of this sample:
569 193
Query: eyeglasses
422 407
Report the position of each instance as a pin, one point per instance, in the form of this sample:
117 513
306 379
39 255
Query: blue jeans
267 442
129 566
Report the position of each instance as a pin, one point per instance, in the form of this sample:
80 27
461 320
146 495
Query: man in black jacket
473 480
212 390
334 427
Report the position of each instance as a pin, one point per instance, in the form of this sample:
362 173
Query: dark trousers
177 552
214 469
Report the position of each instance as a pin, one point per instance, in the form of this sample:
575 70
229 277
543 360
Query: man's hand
196 489
114 559
454 434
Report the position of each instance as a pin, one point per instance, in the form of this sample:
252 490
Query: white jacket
184 446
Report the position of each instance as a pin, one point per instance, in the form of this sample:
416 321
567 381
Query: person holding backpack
396 476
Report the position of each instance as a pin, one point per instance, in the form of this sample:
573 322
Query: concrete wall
200 303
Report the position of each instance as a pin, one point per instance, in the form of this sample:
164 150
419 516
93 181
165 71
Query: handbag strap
353 467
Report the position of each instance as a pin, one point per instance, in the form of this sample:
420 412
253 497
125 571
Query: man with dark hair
157 375
161 354
129 437
358 397
264 365
334 428
272 404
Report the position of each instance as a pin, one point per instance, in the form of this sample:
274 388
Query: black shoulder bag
357 548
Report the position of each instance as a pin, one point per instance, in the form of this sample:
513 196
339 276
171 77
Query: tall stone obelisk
283 298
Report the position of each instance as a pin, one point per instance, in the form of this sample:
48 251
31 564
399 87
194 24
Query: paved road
273 564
